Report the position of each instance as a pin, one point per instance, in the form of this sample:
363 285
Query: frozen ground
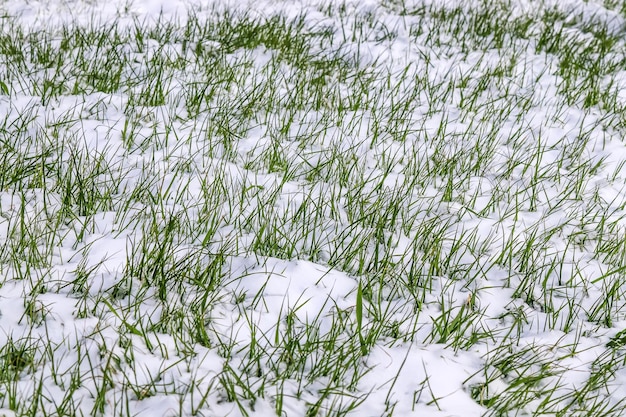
364 208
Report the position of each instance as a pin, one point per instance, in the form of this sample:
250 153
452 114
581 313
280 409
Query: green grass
160 176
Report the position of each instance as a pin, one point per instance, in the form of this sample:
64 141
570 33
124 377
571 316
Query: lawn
313 208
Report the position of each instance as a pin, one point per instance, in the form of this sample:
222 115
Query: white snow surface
261 294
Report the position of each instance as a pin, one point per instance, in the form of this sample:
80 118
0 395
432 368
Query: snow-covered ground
303 208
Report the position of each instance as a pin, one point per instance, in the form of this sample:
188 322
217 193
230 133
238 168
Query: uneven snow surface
303 208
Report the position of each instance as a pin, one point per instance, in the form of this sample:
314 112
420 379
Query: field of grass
313 208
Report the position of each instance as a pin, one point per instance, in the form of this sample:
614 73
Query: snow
114 335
